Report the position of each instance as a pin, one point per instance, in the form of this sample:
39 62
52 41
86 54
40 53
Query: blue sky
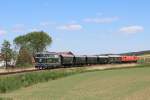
80 26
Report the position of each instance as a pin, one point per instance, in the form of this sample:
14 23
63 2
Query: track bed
91 67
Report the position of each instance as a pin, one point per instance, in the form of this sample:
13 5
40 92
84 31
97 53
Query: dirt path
16 70
110 66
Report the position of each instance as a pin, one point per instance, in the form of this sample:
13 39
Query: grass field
118 84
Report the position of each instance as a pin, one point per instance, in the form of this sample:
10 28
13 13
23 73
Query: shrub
24 58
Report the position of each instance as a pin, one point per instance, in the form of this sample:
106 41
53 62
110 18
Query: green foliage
14 82
6 51
24 58
38 41
21 41
34 41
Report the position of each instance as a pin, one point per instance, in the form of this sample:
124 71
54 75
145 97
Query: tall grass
5 98
13 82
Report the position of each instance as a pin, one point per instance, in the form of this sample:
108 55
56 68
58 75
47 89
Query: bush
24 65
13 82
24 58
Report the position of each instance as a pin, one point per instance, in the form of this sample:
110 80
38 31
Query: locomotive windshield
39 55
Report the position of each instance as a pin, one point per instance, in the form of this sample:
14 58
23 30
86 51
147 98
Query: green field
118 84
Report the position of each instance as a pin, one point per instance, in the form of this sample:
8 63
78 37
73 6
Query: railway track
91 67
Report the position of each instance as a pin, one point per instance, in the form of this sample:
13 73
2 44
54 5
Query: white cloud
34 29
45 24
2 32
70 27
101 20
131 29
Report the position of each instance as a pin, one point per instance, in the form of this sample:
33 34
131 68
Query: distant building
2 62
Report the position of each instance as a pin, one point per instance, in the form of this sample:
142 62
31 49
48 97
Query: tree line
25 48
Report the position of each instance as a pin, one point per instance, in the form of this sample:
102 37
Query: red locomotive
128 59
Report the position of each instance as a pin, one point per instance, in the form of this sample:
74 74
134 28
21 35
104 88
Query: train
46 60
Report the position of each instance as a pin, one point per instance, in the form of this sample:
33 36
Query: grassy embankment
12 82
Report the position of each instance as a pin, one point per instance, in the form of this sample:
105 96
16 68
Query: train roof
80 55
103 56
91 56
114 56
66 55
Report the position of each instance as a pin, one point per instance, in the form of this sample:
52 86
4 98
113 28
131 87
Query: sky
80 26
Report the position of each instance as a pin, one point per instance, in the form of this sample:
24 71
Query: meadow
114 84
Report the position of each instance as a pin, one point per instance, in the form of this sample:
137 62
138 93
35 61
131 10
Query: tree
21 41
7 52
34 41
38 41
24 59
